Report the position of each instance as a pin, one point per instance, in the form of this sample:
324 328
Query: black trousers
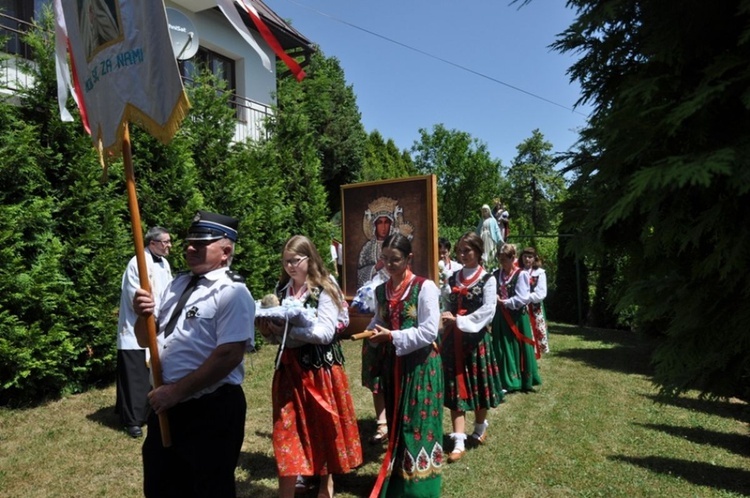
133 385
207 435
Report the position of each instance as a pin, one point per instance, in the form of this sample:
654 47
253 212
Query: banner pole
140 256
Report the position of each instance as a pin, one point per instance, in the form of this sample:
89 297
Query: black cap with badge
212 226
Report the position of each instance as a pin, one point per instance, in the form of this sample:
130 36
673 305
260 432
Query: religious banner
123 68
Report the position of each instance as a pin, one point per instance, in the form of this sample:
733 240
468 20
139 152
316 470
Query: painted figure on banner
377 224
98 22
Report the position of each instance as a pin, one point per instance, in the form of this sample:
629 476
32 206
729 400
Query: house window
15 19
220 66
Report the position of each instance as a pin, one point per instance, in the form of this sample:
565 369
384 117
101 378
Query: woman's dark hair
444 243
398 241
537 260
474 241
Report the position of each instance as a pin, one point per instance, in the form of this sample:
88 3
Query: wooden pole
362 335
140 256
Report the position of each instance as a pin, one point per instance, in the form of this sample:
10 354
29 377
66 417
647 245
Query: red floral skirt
314 425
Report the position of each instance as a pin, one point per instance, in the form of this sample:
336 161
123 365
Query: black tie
180 304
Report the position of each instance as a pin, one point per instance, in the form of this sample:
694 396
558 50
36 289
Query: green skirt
518 367
413 388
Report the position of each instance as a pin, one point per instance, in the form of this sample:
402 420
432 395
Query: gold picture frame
405 205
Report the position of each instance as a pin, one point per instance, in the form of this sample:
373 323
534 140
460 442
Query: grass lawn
595 428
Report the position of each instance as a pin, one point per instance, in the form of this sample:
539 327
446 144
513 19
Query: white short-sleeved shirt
219 311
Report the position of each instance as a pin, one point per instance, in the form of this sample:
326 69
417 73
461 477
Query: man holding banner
134 78
205 324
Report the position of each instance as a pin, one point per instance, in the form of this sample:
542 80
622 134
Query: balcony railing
251 119
12 76
12 31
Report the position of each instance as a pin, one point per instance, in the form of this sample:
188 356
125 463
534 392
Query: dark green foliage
602 307
328 109
568 298
383 160
536 188
665 175
466 175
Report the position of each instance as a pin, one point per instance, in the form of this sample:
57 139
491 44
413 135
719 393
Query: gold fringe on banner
163 133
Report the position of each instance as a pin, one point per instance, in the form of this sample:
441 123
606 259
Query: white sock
480 428
458 441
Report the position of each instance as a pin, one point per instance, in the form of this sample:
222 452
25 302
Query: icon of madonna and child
382 217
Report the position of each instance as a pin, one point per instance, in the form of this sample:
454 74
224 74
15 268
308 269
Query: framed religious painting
373 210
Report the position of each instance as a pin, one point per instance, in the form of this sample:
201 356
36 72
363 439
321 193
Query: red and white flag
265 32
123 68
230 12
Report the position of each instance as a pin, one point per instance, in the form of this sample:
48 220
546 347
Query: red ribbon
274 43
519 336
460 290
394 430
307 383
79 92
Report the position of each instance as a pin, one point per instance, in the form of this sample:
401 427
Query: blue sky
400 90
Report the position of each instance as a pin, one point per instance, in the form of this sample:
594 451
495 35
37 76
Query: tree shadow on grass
627 352
736 410
699 473
608 336
731 442
259 466
107 417
628 359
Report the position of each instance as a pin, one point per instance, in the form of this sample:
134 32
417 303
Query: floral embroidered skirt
415 424
314 425
479 375
538 318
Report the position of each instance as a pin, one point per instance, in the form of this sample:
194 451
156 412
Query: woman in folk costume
511 330
406 324
314 425
472 376
532 264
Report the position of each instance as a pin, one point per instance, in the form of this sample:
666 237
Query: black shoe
134 431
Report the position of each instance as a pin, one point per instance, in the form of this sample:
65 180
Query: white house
221 48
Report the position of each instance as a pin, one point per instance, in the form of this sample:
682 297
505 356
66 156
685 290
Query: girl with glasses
314 425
